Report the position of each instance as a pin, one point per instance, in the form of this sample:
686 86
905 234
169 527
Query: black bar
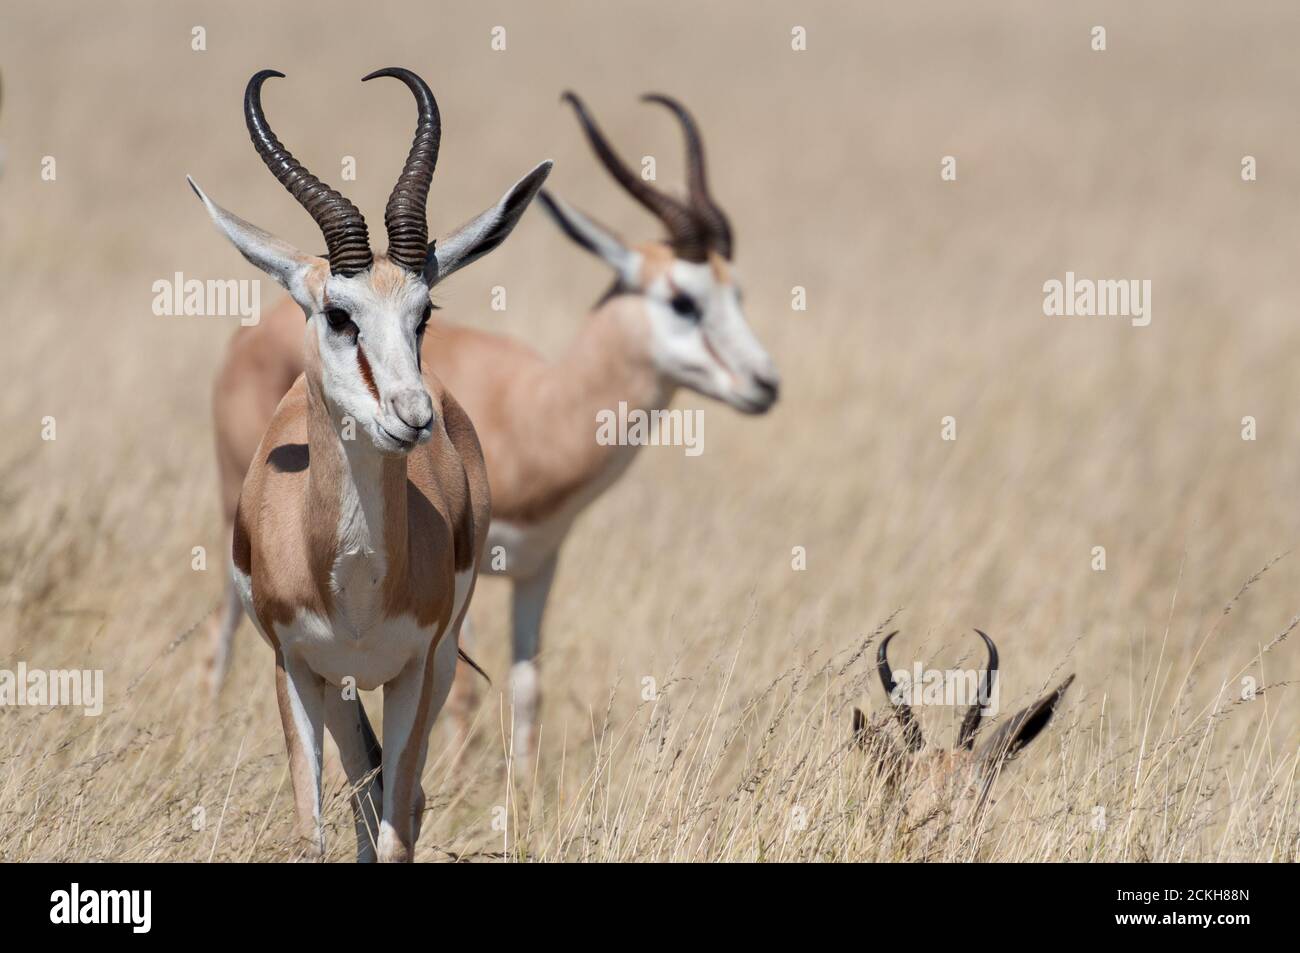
1223 903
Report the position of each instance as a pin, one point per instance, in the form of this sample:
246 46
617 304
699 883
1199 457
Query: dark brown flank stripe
241 549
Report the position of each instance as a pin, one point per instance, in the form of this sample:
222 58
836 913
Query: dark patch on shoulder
241 547
288 458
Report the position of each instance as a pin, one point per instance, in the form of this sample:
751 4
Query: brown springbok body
672 319
933 779
365 508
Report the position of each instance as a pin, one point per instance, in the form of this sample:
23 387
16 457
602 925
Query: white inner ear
302 275
595 238
628 267
486 231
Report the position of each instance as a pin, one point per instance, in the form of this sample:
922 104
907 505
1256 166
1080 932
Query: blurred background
924 300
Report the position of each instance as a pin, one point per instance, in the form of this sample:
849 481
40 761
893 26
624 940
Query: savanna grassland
924 300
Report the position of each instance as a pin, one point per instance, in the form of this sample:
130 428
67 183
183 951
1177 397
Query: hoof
391 848
312 846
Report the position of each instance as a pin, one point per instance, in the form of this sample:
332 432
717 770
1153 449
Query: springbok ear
597 239
1021 728
483 234
302 275
873 742
860 728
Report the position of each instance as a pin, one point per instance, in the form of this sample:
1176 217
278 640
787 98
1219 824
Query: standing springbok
671 319
364 513
934 776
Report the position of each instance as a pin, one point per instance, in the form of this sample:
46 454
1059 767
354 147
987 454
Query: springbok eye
684 305
424 318
339 320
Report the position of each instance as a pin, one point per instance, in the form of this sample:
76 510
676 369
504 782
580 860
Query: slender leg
301 694
359 751
528 604
444 674
406 722
223 635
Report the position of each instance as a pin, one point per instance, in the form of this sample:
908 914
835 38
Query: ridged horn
911 730
341 222
405 217
715 220
971 723
686 229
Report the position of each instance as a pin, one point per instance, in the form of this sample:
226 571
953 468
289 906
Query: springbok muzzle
413 407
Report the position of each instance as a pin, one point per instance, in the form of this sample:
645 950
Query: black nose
771 389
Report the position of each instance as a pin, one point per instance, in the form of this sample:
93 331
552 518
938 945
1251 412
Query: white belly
335 651
378 656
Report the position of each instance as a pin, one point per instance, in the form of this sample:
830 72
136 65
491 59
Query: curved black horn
686 230
340 221
697 184
911 730
404 216
970 725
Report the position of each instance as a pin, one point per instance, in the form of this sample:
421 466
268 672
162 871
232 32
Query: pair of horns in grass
1018 731
911 730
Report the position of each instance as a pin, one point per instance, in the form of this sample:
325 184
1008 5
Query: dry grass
924 300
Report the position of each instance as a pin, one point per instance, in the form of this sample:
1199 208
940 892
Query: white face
368 327
369 334
701 340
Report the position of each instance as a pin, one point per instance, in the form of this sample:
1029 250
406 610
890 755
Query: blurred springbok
364 514
933 776
671 319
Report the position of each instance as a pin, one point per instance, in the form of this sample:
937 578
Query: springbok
937 777
357 536
671 319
